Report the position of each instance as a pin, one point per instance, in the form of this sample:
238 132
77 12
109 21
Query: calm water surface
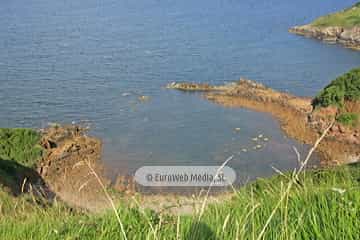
64 61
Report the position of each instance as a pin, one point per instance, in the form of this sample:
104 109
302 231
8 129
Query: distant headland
341 27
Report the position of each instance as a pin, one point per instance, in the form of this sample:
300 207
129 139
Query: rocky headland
341 27
349 37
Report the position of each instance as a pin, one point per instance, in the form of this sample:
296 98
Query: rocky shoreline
349 37
67 172
72 158
296 115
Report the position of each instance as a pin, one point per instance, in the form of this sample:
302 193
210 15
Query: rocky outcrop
69 165
349 37
186 86
72 168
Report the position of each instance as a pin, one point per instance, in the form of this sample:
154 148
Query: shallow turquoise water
68 61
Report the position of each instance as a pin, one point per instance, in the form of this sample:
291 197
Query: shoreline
175 216
71 165
348 37
71 170
72 158
296 115
340 27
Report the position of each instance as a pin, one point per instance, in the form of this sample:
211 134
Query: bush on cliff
343 88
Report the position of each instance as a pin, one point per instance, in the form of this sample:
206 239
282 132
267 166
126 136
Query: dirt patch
296 115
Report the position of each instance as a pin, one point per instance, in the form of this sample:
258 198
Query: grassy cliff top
347 18
323 204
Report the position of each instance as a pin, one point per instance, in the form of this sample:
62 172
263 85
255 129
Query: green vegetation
323 204
19 152
347 18
348 119
339 93
343 88
20 145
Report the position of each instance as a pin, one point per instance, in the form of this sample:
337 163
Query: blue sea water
64 61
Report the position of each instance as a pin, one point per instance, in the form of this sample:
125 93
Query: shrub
343 88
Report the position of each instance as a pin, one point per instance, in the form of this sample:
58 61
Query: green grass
323 204
19 153
20 145
348 119
343 88
347 18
